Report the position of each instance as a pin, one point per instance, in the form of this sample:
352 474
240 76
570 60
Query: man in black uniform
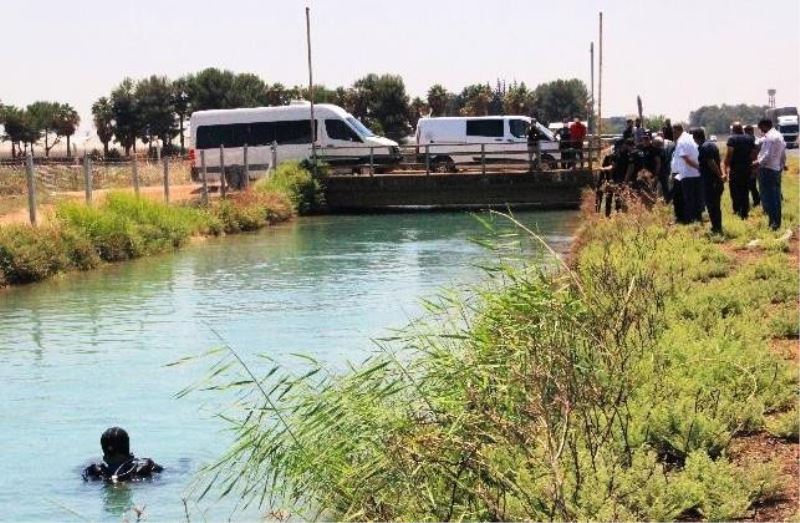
118 463
646 167
739 166
712 178
617 168
749 130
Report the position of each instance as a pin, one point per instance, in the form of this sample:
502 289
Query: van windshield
360 128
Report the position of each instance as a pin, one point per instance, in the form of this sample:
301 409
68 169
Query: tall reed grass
608 390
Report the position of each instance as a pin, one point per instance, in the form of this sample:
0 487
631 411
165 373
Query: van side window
262 133
292 132
212 136
338 130
493 128
519 128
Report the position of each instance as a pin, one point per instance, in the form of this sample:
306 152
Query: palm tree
66 123
103 119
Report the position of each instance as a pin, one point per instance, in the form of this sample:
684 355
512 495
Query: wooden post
222 189
166 179
135 168
427 160
371 167
30 175
600 87
246 162
87 178
274 148
537 153
483 159
204 176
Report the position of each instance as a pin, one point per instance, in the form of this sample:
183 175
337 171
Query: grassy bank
123 227
609 390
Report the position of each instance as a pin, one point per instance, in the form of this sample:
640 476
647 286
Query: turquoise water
87 351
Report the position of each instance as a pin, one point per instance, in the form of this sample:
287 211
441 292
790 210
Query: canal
87 351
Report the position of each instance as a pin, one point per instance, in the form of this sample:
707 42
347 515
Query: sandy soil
177 193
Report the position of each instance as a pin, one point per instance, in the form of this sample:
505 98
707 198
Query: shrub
250 211
29 254
295 182
786 425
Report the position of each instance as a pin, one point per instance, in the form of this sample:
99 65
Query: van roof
454 118
254 112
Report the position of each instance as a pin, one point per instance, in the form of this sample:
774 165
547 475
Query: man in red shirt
577 132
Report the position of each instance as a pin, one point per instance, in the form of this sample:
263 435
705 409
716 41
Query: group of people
685 168
570 143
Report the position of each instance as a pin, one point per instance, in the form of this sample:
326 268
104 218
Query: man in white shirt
686 171
770 162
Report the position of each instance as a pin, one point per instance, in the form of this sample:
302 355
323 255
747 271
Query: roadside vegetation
124 227
610 389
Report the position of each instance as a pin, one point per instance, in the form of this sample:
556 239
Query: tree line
157 108
718 118
42 120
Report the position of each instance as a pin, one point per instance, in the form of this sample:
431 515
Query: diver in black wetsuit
118 463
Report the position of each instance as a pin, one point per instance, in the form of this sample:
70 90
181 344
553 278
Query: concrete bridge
551 189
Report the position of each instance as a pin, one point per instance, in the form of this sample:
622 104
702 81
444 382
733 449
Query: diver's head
115 443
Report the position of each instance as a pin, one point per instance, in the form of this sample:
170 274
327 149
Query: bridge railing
443 157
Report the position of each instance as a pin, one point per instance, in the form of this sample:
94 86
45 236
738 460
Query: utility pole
600 85
592 123
311 92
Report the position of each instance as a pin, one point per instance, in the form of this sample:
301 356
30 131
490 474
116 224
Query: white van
456 140
341 138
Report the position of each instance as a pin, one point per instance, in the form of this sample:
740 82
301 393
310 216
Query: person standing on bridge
738 166
771 161
578 133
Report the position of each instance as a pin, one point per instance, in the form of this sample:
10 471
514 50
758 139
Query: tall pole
600 85
311 91
592 123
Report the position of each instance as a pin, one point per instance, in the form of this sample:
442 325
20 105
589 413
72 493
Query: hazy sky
677 54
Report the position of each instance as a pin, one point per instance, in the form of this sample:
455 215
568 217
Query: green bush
786 425
29 254
297 183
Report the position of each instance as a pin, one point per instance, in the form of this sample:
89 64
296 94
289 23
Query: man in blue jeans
770 162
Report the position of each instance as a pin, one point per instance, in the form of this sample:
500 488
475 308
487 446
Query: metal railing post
135 168
222 189
87 178
246 162
427 160
483 159
30 175
204 175
166 179
274 148
371 167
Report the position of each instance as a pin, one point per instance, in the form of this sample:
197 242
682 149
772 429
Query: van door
342 145
294 140
517 140
491 133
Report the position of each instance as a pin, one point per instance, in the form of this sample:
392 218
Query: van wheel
443 164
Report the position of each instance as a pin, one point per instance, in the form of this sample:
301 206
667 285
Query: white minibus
341 138
454 140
